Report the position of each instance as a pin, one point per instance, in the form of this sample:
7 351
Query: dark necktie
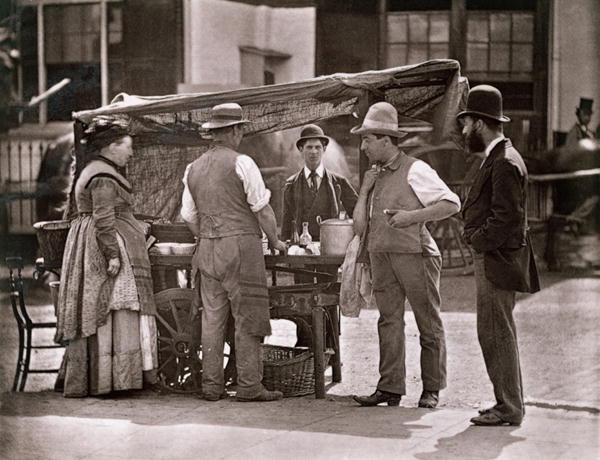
312 181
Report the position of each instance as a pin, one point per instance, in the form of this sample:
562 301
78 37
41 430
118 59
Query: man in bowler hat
495 217
398 195
314 190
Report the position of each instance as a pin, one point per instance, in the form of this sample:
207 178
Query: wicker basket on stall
52 237
290 370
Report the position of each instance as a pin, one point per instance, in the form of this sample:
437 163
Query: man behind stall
397 197
314 190
225 204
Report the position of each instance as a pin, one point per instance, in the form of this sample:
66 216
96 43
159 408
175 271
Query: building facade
543 54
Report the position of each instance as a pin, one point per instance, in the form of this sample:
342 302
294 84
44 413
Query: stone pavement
142 426
559 340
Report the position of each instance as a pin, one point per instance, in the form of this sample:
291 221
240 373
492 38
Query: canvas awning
169 134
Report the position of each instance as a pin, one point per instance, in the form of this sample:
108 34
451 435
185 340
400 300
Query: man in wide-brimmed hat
580 129
398 195
495 217
314 190
226 205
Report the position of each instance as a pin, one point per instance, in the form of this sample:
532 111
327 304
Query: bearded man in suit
495 216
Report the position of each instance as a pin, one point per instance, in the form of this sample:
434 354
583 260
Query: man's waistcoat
392 191
219 195
313 205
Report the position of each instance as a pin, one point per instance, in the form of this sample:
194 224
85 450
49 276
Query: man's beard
474 142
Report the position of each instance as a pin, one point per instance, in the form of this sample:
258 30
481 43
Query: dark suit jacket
339 191
495 216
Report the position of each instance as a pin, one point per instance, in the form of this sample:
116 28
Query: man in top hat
314 190
398 195
580 129
495 218
226 205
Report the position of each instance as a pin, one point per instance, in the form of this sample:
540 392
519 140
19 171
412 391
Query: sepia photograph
300 229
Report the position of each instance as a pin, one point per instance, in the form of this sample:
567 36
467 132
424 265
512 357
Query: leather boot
392 399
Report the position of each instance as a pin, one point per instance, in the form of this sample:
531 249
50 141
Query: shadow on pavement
474 442
337 415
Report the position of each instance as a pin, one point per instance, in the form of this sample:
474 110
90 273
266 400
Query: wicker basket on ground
290 370
52 237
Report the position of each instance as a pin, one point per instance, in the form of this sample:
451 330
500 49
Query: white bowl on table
164 249
183 249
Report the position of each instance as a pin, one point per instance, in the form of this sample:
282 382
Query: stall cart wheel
179 342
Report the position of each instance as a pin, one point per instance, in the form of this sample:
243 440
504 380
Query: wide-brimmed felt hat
484 101
224 115
312 132
585 105
381 118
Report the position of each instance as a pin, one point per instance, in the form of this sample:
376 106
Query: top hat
381 118
223 115
484 101
312 132
585 105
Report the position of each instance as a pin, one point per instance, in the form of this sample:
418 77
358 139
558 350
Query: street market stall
168 136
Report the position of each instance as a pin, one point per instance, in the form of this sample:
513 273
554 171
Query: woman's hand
114 265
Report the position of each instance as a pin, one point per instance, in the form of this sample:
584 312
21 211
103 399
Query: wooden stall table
314 303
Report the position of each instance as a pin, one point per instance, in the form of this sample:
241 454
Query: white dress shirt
427 185
257 195
320 171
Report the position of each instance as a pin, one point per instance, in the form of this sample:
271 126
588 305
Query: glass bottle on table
295 238
305 238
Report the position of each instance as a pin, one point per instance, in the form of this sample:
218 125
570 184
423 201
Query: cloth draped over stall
168 135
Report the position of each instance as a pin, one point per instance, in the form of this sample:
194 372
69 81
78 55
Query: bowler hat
381 118
484 101
223 115
312 132
585 105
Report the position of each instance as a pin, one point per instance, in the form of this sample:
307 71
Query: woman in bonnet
106 310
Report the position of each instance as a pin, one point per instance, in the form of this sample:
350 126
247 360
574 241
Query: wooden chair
26 326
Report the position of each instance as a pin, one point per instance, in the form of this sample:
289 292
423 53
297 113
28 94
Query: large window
500 42
72 35
417 36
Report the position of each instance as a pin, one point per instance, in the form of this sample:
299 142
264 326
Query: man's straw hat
381 118
223 115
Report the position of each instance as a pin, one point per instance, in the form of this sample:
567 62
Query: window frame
41 50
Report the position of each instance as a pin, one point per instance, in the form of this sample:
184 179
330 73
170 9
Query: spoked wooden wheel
456 255
179 342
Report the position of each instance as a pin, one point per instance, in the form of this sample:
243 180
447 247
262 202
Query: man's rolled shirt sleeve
428 186
257 195
189 212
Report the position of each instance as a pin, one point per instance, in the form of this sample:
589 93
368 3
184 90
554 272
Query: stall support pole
336 359
318 349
